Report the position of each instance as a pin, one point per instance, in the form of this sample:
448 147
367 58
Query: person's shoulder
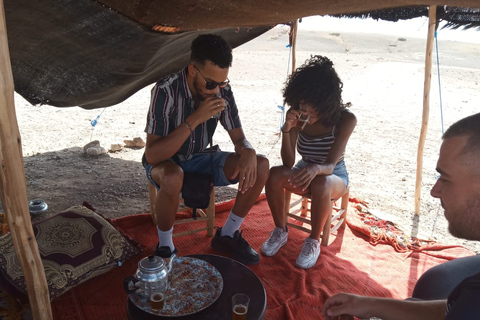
347 117
167 81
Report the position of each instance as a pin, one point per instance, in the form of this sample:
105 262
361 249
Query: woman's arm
289 138
287 151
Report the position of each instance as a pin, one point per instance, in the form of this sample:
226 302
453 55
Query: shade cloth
79 53
350 264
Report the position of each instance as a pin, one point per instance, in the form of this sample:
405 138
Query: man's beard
465 223
199 95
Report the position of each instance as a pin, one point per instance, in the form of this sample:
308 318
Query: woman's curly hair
316 83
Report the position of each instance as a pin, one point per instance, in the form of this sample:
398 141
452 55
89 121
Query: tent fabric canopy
455 17
82 53
209 14
77 53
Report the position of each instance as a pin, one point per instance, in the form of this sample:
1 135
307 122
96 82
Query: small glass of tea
240 303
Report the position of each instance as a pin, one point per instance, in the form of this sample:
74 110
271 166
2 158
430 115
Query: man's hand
208 108
304 176
346 304
246 170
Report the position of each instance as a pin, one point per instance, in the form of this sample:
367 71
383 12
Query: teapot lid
151 263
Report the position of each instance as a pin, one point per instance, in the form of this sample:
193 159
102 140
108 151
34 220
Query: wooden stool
207 214
302 214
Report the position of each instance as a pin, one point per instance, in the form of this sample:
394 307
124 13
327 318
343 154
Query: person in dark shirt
458 189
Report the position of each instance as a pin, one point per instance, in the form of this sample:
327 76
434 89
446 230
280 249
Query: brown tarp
80 53
96 54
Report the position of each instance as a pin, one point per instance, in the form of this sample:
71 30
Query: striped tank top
315 149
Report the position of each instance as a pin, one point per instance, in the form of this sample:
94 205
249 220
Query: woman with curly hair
319 124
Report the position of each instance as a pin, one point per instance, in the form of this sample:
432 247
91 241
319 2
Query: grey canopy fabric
96 54
80 53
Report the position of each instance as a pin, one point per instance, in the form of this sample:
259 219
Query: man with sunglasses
178 134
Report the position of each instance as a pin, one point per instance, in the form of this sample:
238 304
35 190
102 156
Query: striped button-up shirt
172 102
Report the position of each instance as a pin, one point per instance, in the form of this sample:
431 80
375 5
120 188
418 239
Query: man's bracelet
188 126
286 131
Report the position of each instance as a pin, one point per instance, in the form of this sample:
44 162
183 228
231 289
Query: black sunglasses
210 85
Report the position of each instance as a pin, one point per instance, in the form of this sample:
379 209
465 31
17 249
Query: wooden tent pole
14 189
432 20
294 42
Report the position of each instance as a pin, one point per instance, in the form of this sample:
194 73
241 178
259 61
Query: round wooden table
237 278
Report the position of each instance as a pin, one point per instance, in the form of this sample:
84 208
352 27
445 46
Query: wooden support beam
432 20
294 43
14 189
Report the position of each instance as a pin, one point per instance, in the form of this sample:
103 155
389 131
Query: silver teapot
151 276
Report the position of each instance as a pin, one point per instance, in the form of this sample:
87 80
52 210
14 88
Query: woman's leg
274 189
322 190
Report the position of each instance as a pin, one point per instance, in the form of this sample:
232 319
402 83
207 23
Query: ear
191 70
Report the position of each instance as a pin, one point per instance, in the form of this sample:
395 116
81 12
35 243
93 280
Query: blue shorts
200 163
340 170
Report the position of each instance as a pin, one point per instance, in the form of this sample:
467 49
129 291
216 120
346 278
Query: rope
282 107
94 122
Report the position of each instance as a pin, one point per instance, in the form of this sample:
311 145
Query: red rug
351 263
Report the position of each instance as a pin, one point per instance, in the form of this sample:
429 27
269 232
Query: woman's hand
304 176
290 119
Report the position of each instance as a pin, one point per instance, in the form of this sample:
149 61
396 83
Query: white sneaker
309 254
277 239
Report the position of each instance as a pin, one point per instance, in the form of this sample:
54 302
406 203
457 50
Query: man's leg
228 238
245 201
169 177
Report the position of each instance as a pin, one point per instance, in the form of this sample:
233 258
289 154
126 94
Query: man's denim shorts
200 163
340 170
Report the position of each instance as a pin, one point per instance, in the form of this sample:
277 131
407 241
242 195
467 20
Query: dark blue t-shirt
464 301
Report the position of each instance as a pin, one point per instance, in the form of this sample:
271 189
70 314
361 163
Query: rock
114 147
94 143
135 143
361 208
95 151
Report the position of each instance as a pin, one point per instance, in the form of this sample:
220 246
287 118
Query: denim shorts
200 163
340 170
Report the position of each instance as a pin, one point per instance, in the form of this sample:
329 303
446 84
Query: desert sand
382 68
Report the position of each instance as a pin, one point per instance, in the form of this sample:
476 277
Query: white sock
165 238
232 224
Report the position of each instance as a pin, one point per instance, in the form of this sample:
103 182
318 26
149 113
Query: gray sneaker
309 255
277 239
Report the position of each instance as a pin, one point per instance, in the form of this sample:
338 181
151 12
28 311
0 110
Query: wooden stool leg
305 203
211 214
152 196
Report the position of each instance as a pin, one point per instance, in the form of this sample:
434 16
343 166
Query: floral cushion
75 245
